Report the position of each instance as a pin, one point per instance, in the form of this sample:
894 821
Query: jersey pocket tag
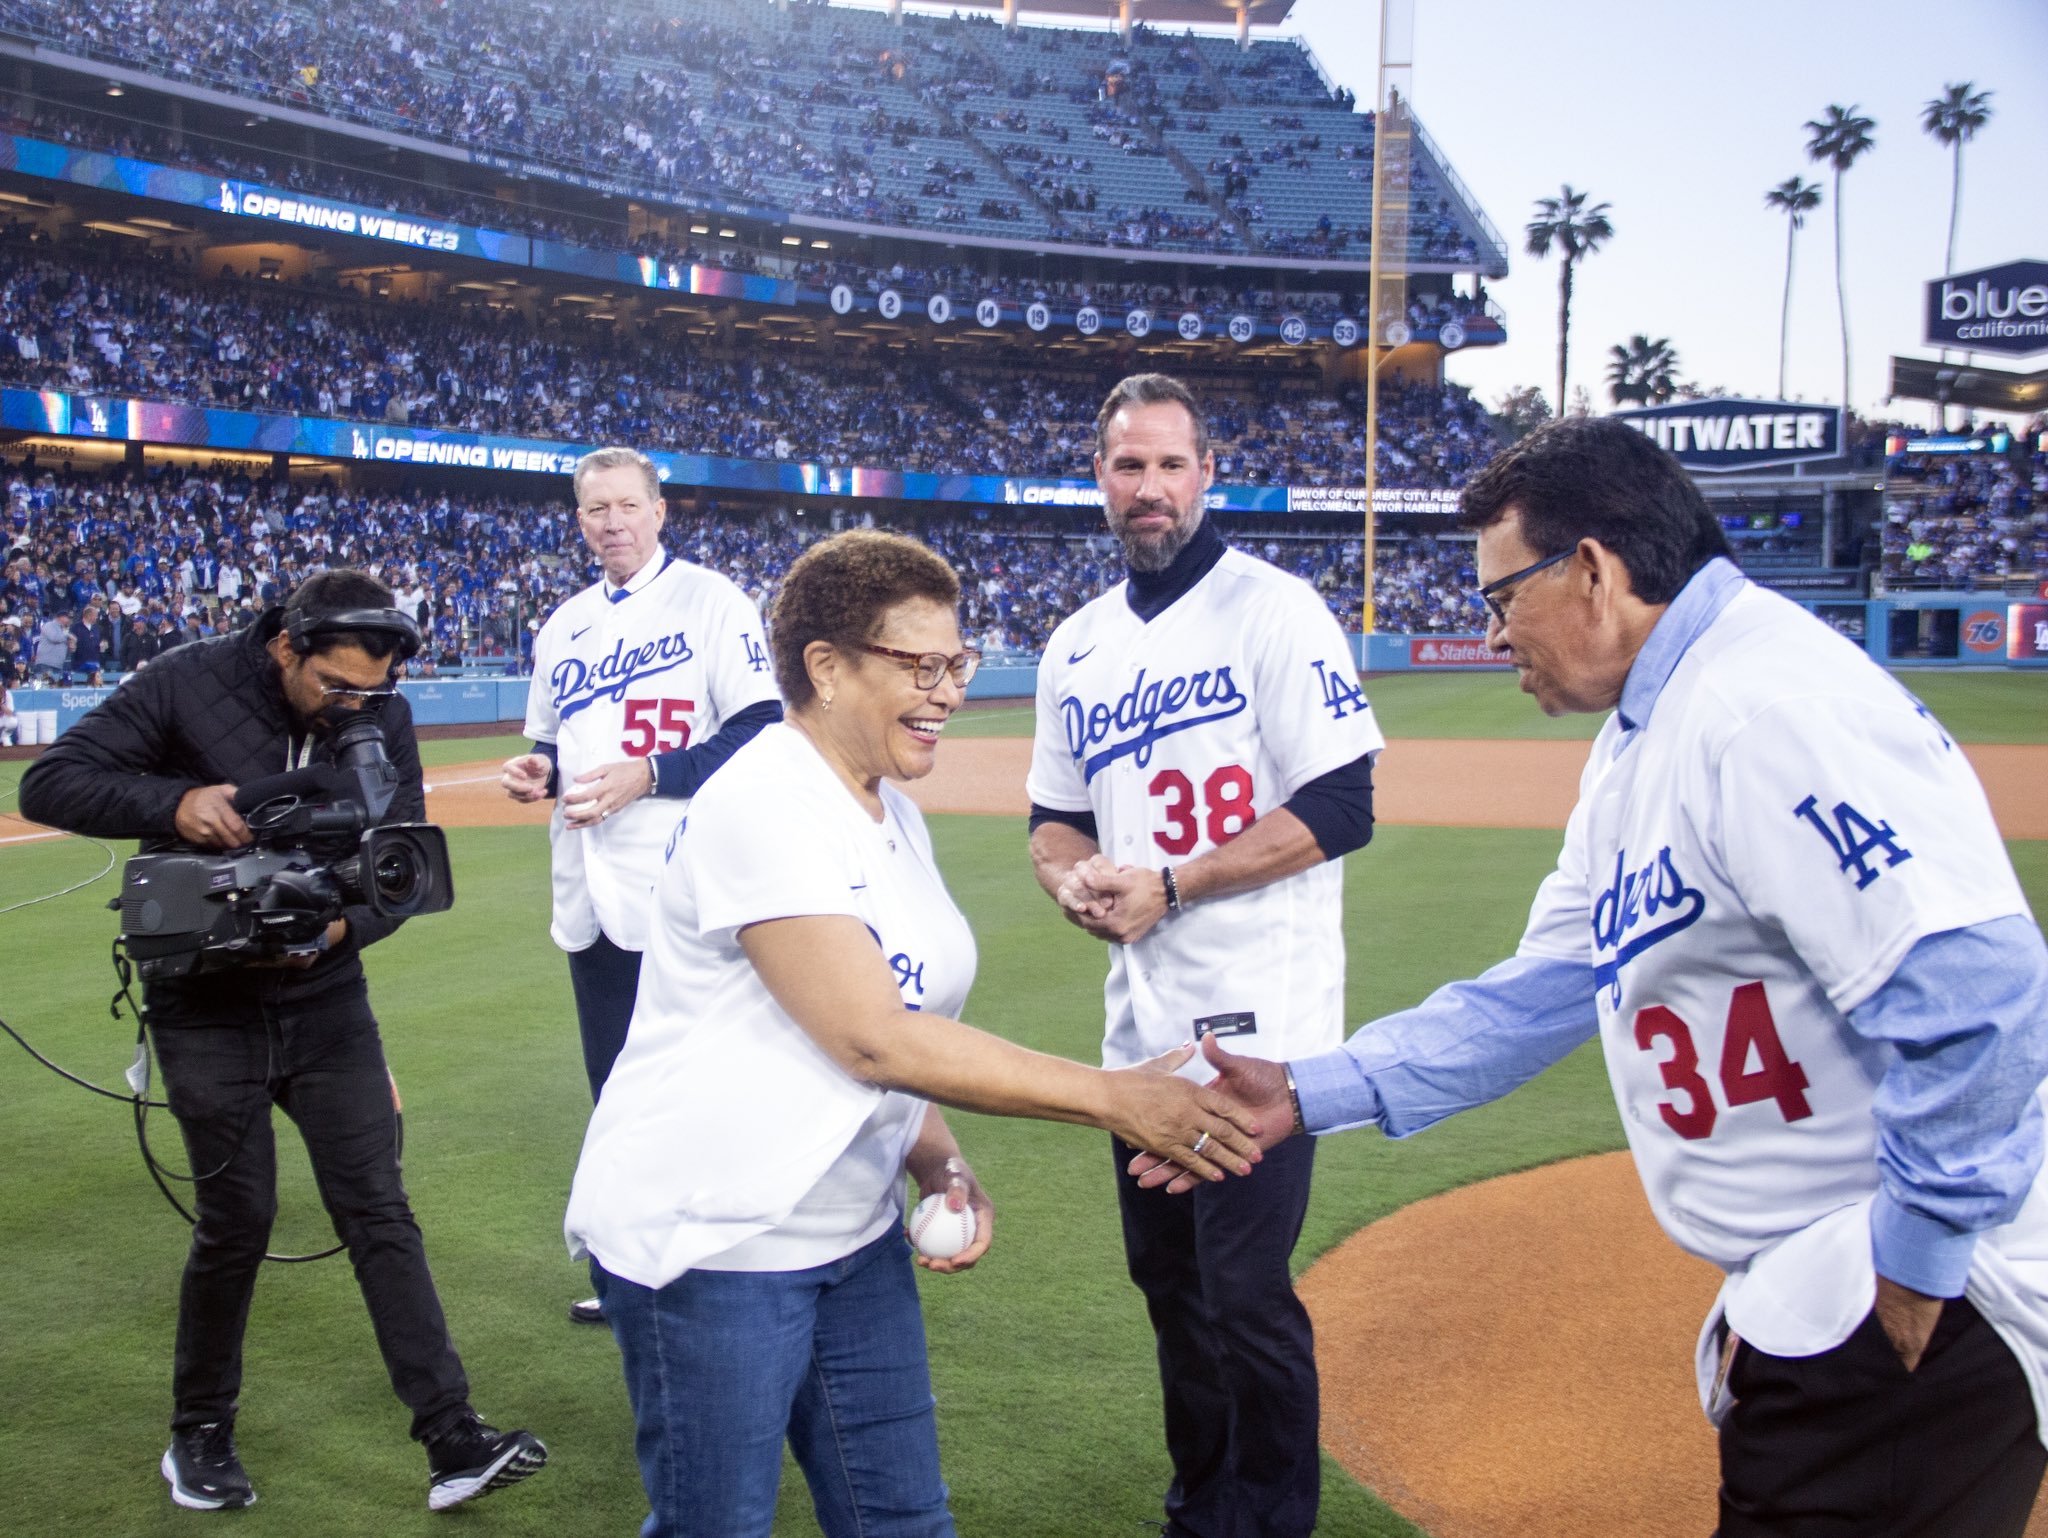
1243 1023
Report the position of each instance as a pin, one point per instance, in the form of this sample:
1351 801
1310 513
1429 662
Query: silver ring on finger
1200 1143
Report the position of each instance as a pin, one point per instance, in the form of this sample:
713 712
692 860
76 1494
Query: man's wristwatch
1294 1100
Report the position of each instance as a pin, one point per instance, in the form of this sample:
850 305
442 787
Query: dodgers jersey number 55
630 680
1178 734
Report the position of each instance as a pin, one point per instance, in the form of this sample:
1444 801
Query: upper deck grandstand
941 128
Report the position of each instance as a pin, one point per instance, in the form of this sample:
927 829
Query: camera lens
398 876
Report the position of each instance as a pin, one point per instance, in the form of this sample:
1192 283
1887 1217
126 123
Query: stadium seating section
163 558
1044 134
1975 521
101 324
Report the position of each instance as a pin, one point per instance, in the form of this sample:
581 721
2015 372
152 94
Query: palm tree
1794 199
1953 118
1578 232
1840 137
1644 371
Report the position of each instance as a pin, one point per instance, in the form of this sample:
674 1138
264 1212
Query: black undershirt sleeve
1080 822
1337 807
547 751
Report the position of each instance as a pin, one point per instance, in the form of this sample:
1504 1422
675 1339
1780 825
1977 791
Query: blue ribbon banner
116 420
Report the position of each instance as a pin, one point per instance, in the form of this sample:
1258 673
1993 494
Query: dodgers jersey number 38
611 681
1178 734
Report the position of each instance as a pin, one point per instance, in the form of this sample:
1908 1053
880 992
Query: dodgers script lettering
1149 710
578 684
1635 897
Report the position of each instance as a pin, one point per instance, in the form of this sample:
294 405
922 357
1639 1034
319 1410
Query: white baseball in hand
938 1231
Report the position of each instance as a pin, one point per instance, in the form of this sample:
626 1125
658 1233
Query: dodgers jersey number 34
1743 873
650 675
1178 734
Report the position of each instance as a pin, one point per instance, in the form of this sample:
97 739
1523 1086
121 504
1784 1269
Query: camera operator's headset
303 631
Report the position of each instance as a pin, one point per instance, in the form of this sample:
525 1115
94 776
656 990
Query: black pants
606 980
1848 1444
323 1064
1236 1352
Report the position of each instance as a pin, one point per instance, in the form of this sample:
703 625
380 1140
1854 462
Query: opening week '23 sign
1726 434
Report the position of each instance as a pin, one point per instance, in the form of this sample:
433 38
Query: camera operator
160 761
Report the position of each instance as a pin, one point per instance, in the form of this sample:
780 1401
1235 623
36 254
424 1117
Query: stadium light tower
1393 140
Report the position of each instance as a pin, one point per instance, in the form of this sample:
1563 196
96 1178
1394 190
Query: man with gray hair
643 683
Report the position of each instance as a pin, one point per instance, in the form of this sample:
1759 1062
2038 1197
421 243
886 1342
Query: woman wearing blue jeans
741 1181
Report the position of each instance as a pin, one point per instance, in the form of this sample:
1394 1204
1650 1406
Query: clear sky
1681 116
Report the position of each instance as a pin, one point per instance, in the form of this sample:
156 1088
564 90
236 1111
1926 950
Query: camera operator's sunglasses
357 697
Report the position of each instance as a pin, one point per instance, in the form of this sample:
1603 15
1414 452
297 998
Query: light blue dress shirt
1966 1013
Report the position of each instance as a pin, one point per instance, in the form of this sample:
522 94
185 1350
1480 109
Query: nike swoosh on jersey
577 635
1073 657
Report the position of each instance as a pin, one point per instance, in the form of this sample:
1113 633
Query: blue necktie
620 595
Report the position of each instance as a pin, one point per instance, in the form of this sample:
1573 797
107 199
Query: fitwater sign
1994 309
1722 435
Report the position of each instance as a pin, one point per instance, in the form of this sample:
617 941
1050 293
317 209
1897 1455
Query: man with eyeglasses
160 760
1785 910
643 684
1203 759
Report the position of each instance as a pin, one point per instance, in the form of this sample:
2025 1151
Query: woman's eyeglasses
927 668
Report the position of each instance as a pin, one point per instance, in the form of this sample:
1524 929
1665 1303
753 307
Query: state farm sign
1425 651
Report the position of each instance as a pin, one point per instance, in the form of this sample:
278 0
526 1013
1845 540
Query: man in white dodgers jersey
1203 759
643 684
1785 909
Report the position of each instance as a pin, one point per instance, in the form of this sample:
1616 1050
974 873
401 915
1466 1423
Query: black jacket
209 713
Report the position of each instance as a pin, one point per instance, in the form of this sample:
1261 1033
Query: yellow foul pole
1387 282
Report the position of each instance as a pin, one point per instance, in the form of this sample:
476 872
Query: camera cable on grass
138 1072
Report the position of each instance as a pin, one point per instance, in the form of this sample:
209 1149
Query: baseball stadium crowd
1044 133
99 573
152 331
814 275
1962 521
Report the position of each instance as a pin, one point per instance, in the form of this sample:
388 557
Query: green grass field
1043 1362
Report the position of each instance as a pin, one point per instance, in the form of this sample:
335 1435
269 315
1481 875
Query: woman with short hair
741 1181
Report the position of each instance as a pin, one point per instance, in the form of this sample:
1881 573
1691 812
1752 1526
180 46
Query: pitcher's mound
1514 1360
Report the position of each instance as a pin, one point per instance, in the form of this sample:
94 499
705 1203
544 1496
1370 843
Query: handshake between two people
1250 1090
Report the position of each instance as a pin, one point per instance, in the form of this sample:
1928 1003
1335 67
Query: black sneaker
203 1470
471 1459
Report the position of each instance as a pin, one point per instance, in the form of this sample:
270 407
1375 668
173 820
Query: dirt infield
1431 783
1509 1359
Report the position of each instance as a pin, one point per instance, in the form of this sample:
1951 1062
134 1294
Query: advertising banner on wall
1994 309
1425 651
2026 632
1720 435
